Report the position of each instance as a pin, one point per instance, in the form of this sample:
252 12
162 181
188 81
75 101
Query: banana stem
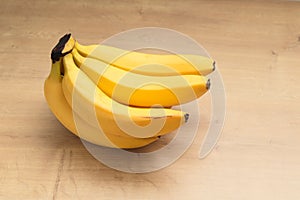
63 47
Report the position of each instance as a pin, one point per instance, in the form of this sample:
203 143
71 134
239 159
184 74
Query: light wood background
257 47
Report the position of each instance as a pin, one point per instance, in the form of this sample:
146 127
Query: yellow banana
113 117
149 64
63 112
141 90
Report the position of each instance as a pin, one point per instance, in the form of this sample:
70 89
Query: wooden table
257 47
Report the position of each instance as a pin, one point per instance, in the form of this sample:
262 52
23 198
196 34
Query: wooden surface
257 47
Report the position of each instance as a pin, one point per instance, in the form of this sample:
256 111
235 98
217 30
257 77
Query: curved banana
90 102
59 106
141 90
149 64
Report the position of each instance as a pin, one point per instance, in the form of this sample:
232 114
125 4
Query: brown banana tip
186 117
214 66
56 52
208 84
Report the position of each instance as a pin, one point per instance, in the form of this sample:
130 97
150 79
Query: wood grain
257 47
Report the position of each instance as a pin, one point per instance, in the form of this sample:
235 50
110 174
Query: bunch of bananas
122 99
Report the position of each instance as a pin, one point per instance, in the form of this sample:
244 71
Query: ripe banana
149 64
63 112
141 90
113 117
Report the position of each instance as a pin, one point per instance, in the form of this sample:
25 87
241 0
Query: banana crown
62 48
